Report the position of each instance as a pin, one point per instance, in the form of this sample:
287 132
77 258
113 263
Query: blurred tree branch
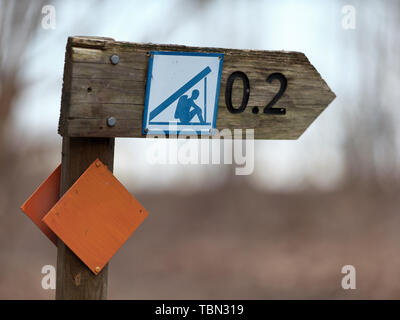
370 133
19 21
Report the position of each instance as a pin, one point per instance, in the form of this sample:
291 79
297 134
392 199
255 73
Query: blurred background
311 206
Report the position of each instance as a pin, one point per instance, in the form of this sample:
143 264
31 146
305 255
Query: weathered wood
98 89
74 279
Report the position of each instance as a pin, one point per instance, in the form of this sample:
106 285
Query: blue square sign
182 92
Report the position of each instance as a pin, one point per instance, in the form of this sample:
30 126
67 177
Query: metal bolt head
111 121
114 59
98 164
97 269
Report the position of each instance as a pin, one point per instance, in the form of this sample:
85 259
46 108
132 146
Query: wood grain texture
74 280
94 89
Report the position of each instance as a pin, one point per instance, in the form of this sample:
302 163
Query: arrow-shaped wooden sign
277 93
119 89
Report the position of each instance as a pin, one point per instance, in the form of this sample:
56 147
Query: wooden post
74 279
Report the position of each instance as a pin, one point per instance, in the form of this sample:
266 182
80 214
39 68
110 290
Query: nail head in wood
111 121
114 59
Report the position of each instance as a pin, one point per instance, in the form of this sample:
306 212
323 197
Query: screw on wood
111 121
97 269
114 59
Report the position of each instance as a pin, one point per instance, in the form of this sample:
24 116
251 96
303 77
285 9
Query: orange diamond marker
95 216
42 200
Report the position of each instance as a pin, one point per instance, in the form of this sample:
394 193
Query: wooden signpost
276 93
96 89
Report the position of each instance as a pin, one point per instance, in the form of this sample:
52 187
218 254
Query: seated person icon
187 109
